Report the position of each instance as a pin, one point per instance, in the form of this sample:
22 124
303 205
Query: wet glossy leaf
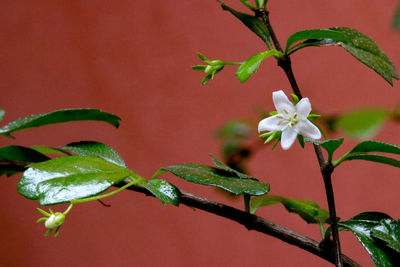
329 145
59 116
251 65
63 179
225 167
317 34
91 148
363 123
206 175
21 153
389 232
164 191
361 226
253 23
357 44
308 210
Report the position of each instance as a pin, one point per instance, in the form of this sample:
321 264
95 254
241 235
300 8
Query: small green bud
55 220
209 69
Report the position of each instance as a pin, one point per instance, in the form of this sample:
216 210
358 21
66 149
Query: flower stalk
326 168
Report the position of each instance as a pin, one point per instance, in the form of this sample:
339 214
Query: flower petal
306 128
303 108
282 103
273 123
288 137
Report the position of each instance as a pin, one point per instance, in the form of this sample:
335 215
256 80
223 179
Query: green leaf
63 179
396 18
251 65
199 67
2 113
361 226
308 210
329 145
206 79
360 150
225 167
47 150
91 148
363 123
389 232
59 116
234 129
374 146
374 158
164 191
206 175
300 138
252 22
357 44
317 34
21 153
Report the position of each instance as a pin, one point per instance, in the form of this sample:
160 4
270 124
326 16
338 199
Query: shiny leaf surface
63 179
225 167
91 148
164 191
308 210
59 116
252 64
357 44
389 232
363 123
253 23
206 175
361 226
317 34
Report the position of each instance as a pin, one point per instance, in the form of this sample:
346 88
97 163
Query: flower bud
55 220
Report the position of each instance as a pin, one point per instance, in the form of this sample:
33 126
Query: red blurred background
133 58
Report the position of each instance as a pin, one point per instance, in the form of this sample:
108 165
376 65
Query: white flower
291 120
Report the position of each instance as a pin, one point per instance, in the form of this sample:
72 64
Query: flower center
289 119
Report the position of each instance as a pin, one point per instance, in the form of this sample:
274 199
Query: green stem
340 160
233 63
69 209
322 229
134 182
246 203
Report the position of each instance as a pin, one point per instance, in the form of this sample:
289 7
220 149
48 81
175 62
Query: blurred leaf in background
396 18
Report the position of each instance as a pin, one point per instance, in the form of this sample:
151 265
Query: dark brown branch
256 223
250 221
326 169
